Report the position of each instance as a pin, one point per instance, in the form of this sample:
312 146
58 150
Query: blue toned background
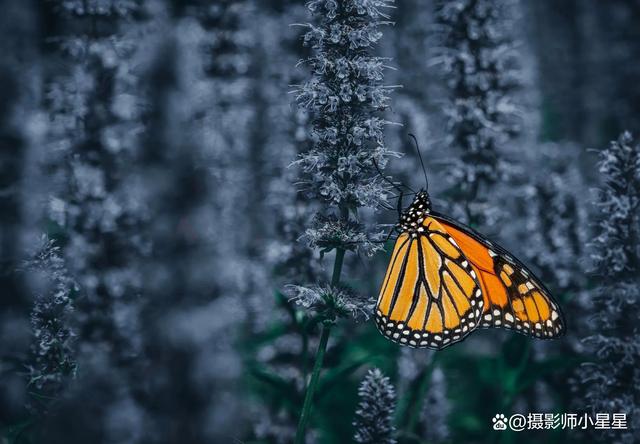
190 196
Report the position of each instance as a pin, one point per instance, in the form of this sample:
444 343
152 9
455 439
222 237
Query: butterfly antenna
415 141
390 182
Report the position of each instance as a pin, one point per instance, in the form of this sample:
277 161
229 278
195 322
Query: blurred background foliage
151 219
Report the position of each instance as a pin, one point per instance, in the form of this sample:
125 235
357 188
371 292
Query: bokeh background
166 175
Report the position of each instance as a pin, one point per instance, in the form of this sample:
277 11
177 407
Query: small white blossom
482 72
345 97
331 302
615 355
53 349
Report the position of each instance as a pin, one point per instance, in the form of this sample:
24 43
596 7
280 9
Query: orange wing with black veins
430 296
513 297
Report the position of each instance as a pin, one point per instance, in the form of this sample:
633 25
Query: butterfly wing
430 296
513 297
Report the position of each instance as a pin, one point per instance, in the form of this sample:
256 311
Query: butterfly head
412 218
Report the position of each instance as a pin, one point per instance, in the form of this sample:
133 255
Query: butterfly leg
400 204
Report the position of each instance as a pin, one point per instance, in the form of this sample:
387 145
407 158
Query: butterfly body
445 280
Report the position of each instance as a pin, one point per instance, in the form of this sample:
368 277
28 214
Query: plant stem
317 366
337 267
305 354
306 407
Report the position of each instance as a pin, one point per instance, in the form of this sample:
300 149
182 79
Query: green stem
305 353
322 348
337 267
306 407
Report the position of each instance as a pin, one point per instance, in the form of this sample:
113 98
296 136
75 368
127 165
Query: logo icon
499 422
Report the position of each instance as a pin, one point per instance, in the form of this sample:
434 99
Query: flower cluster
555 207
616 263
330 302
481 69
225 51
18 147
345 96
227 121
193 314
374 417
53 351
615 253
330 232
93 110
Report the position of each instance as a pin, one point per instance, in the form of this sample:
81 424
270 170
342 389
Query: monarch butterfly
444 280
